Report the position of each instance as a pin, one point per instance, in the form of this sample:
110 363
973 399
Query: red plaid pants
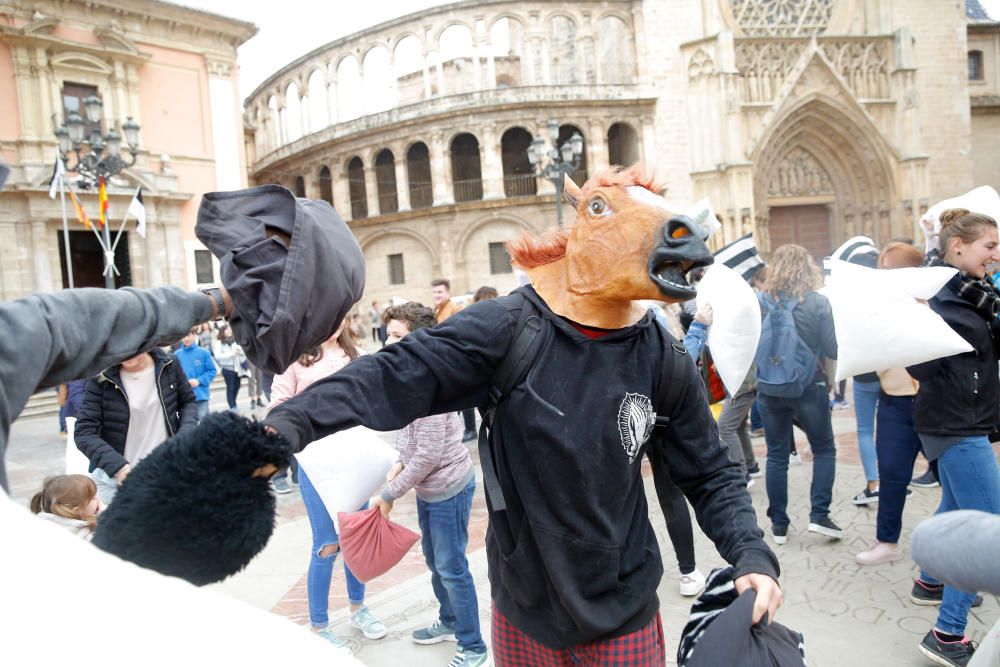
643 648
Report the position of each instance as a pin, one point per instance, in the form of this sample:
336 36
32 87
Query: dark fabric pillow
191 509
287 295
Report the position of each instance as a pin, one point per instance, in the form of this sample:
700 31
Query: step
44 403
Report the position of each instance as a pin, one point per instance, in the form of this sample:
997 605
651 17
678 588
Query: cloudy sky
291 28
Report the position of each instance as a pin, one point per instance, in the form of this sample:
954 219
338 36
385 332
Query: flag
81 215
741 256
137 209
102 198
58 174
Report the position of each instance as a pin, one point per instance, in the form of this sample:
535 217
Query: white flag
58 174
138 210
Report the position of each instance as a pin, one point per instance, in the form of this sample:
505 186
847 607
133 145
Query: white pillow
52 579
347 468
735 329
879 323
983 199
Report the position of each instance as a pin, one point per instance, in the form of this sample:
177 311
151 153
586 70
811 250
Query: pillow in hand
192 508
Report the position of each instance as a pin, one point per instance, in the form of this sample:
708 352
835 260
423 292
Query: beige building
170 69
802 120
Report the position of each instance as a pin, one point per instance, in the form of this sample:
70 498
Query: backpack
526 343
786 366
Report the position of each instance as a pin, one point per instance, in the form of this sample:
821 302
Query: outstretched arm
431 371
699 464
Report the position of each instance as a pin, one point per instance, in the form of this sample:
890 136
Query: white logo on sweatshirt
635 423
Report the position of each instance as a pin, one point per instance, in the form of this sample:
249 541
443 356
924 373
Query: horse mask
627 244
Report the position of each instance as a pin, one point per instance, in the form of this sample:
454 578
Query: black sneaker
780 534
950 654
925 481
826 526
755 471
927 595
866 497
468 435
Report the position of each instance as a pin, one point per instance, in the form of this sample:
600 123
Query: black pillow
191 509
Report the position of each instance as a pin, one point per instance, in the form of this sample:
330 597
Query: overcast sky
292 28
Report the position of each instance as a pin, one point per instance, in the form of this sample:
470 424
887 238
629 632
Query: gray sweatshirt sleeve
52 338
960 548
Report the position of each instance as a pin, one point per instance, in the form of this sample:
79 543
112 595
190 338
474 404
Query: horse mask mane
627 244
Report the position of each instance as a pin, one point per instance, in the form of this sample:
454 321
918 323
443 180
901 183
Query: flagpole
69 258
100 241
121 227
109 256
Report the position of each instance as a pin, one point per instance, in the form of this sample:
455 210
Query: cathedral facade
804 121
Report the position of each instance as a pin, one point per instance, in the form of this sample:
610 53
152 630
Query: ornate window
759 18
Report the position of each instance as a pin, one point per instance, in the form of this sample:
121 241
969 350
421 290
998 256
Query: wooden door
808 226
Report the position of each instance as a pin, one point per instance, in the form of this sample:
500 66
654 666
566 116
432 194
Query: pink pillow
372 544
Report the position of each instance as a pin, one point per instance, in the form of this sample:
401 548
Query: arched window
356 186
518 174
349 102
300 186
418 170
579 176
319 113
326 185
975 65
293 112
385 179
466 171
623 145
562 51
378 84
507 44
614 51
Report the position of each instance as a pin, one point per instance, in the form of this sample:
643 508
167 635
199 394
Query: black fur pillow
191 509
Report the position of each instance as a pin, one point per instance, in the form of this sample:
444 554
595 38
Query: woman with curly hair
792 280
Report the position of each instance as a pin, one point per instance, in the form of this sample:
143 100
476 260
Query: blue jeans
865 400
898 445
444 529
812 412
321 567
755 420
970 480
202 407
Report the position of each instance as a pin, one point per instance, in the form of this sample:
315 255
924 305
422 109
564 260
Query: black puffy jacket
102 423
959 395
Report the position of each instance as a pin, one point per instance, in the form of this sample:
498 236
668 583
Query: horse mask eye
597 206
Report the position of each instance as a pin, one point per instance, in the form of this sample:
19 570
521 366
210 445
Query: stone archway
820 157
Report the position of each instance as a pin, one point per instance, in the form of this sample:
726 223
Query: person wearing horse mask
573 561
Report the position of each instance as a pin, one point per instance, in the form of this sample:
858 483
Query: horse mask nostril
678 228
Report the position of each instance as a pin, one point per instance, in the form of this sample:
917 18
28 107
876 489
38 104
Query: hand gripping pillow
879 322
347 468
372 545
735 329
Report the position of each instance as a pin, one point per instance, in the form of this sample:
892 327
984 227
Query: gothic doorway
807 226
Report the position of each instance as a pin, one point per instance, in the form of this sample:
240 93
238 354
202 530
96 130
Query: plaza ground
850 615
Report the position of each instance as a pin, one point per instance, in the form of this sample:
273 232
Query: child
69 501
434 462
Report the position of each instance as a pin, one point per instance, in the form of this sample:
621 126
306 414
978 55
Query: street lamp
97 157
562 160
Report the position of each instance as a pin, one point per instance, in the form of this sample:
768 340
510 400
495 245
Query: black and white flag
741 256
137 209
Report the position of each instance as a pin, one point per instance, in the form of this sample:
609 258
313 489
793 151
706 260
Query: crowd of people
945 410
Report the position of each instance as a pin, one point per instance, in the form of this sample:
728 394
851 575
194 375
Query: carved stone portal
759 18
799 174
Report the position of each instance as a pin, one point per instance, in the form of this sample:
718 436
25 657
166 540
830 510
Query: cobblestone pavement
850 615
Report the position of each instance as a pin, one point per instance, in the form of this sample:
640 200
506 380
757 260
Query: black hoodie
573 559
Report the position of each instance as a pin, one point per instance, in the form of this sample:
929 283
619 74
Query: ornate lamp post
102 158
562 160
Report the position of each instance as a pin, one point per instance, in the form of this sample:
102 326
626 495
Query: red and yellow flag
103 200
81 215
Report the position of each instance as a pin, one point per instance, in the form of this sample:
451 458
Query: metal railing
468 190
421 195
520 185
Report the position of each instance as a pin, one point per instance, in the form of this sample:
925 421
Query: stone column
596 145
491 66
648 140
492 163
439 75
41 251
444 192
341 188
426 76
371 188
402 178
306 121
227 126
153 249
331 99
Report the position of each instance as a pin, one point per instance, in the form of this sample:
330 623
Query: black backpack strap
512 370
671 381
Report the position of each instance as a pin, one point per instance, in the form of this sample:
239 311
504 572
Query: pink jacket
297 377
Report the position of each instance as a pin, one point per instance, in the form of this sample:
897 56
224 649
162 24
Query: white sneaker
692 584
878 553
371 627
794 459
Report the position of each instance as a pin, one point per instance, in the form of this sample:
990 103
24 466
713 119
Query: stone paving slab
850 615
